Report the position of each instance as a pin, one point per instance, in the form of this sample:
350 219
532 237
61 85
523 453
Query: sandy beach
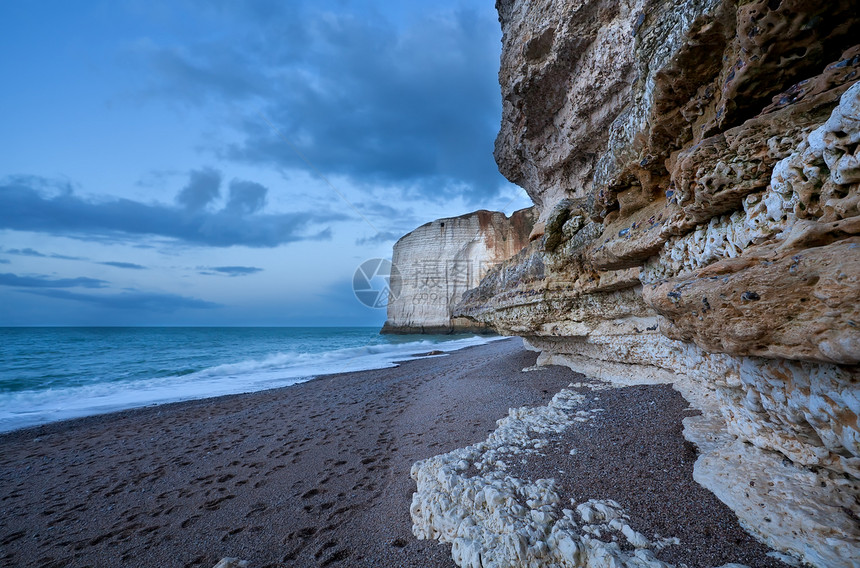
317 474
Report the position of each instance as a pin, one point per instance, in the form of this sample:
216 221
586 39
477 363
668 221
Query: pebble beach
317 474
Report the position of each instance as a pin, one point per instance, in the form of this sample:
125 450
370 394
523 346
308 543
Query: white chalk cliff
695 166
440 260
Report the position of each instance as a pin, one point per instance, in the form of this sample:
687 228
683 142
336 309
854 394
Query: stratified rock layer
439 261
696 171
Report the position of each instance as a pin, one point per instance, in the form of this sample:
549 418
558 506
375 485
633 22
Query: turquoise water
49 374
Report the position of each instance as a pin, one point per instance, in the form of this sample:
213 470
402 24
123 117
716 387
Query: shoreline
64 423
315 474
279 477
71 402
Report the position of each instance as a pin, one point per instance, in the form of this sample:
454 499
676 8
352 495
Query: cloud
203 187
415 105
144 301
381 237
46 282
25 206
35 253
26 252
246 197
230 270
4 261
129 265
385 210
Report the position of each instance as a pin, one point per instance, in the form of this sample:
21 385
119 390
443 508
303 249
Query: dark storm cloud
25 206
143 301
230 270
415 106
129 265
46 282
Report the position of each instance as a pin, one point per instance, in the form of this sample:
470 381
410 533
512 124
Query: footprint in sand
324 547
215 504
306 532
256 509
230 533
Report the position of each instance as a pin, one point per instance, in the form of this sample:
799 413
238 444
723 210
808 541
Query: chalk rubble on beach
495 520
231 563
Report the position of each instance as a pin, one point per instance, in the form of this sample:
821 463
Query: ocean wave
32 407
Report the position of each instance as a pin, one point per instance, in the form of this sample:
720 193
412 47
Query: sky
230 163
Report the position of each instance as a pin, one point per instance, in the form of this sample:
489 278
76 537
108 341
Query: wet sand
315 474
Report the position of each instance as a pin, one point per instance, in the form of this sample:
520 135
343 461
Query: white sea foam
29 408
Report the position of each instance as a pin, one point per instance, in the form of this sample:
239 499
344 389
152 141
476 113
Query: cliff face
696 173
439 261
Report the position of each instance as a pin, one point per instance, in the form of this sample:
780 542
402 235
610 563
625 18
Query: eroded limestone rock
797 305
696 170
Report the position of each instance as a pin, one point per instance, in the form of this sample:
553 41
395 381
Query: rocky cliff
439 261
696 172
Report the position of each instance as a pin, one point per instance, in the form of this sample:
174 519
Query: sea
50 374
